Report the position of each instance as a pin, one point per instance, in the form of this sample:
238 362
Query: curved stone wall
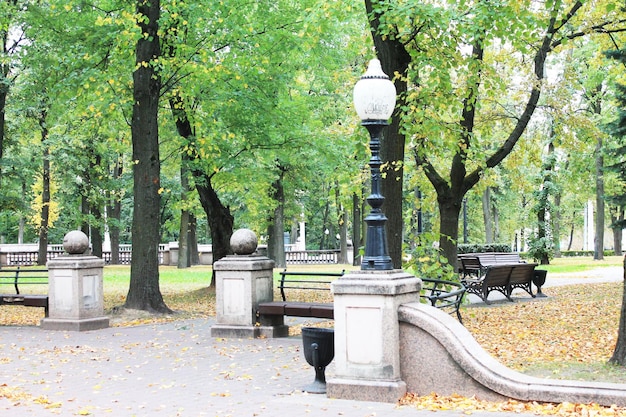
439 355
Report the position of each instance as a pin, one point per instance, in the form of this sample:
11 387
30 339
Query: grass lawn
580 264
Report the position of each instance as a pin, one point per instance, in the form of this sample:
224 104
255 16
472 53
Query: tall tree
276 229
541 245
487 215
618 128
144 292
460 60
44 219
619 353
594 97
8 45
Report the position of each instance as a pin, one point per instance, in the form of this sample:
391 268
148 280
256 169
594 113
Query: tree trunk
343 238
144 292
618 220
22 221
42 257
84 209
184 260
183 240
542 228
571 232
96 233
595 105
4 86
357 222
219 218
556 225
598 246
324 237
487 215
394 59
276 242
270 239
543 207
342 220
115 214
194 255
4 91
94 208
449 211
114 211
496 223
619 354
465 223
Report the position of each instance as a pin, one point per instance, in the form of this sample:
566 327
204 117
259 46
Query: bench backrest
522 273
26 276
492 258
507 258
471 265
297 280
498 275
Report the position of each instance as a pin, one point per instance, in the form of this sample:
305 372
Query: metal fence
15 255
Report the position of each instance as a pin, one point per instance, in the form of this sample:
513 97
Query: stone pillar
242 282
367 347
75 288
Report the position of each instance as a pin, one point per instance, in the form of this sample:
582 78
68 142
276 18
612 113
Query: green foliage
540 247
260 83
616 149
482 247
476 76
426 261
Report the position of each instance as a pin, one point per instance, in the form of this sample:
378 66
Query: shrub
484 247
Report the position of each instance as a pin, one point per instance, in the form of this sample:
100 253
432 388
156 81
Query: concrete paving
174 369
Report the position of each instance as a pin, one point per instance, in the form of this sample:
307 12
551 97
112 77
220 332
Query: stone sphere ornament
243 242
75 242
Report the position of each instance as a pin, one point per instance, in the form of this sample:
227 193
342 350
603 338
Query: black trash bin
319 351
539 278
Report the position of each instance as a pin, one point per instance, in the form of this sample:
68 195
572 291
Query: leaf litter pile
569 335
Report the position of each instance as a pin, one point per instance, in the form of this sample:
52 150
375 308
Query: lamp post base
360 390
378 263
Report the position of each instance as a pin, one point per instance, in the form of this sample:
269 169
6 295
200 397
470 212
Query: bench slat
297 309
292 280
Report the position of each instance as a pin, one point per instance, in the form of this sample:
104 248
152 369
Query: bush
483 247
540 248
426 261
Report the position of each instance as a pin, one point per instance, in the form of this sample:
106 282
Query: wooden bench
503 278
12 279
481 260
291 280
445 295
475 264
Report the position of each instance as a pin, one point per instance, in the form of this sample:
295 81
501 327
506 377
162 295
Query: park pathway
177 369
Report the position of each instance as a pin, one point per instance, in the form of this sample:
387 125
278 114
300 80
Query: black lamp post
374 101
